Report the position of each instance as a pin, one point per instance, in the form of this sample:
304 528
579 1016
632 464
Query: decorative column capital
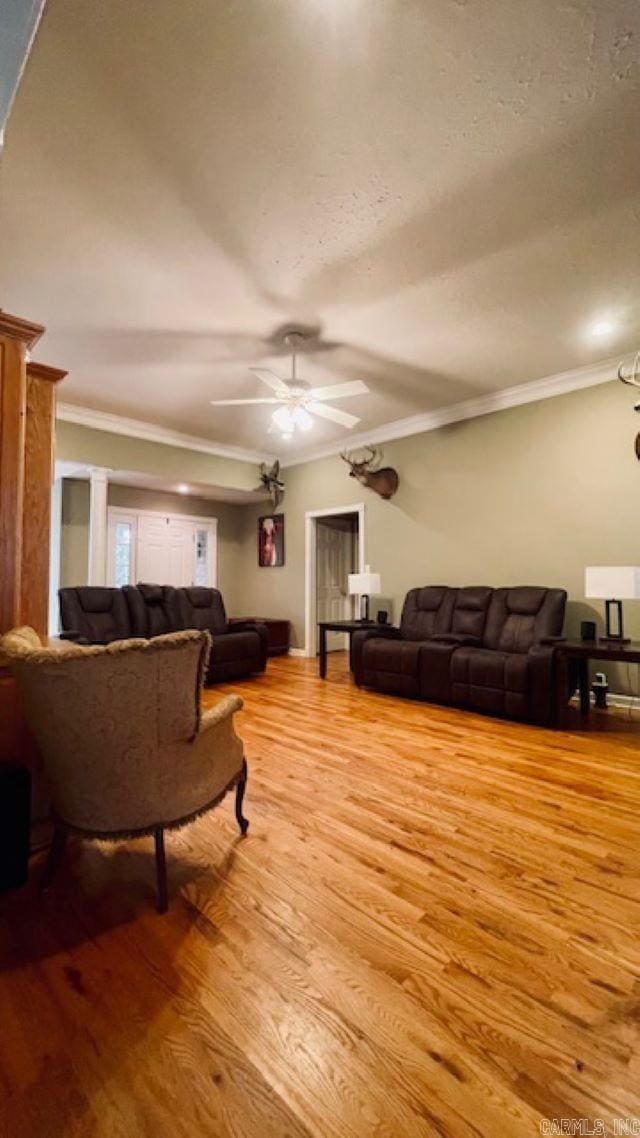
99 473
19 329
43 371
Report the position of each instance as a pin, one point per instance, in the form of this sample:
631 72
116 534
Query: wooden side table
278 630
348 626
580 652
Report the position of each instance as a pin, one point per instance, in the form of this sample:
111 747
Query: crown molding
561 383
552 385
151 432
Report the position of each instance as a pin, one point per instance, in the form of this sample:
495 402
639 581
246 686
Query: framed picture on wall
271 541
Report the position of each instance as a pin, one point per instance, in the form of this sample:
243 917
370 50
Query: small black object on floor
15 823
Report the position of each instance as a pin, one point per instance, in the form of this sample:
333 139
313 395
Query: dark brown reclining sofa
475 647
97 615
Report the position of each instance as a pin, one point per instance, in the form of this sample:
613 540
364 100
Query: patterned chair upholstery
126 747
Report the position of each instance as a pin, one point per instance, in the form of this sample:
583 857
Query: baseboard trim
297 652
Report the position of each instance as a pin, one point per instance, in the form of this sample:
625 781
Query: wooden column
17 337
27 413
38 480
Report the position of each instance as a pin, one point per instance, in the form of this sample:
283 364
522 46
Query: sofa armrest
542 677
359 639
261 631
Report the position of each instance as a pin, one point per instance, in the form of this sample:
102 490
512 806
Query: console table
580 652
348 626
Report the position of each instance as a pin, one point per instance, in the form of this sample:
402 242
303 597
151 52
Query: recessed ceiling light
602 328
183 488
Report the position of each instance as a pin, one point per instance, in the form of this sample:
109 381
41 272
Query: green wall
75 443
74 539
530 495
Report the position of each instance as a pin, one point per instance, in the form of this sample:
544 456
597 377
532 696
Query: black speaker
383 616
15 822
588 630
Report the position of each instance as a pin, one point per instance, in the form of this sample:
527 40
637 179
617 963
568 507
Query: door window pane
201 575
123 554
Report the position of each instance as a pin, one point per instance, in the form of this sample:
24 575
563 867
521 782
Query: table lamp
363 585
613 584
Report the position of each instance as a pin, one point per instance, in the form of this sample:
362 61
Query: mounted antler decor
632 379
384 481
270 479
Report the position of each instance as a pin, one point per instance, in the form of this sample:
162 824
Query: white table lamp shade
612 582
365 584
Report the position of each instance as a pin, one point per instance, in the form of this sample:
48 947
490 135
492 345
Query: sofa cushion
482 667
426 612
201 607
470 610
520 617
152 594
486 680
152 609
97 614
95 598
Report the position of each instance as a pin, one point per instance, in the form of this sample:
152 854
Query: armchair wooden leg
243 822
161 870
54 858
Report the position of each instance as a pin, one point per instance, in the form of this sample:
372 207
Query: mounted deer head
367 471
632 379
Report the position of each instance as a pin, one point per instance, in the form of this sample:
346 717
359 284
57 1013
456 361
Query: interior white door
334 553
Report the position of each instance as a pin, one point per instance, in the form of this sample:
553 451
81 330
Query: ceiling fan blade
332 413
240 402
271 379
340 390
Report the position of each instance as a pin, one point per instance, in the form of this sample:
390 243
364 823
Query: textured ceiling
449 192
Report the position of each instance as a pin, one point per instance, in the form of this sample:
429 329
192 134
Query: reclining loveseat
96 615
482 648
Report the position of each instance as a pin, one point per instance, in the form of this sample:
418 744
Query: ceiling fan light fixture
302 419
300 403
284 420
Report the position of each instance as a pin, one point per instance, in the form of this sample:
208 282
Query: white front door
335 557
167 549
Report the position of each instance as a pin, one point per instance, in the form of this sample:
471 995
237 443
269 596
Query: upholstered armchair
127 749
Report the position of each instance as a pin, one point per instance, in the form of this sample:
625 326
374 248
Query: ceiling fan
296 401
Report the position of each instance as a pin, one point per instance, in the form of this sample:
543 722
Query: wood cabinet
27 413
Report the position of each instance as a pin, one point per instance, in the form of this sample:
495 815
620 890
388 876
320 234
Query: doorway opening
334 547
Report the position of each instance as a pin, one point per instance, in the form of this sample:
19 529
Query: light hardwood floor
431 929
